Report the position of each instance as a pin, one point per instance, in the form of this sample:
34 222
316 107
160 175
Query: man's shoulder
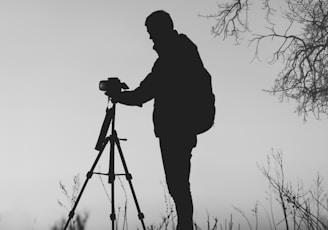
185 42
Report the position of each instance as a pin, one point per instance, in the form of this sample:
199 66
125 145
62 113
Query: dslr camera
112 86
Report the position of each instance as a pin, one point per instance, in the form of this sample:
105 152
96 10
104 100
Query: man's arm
142 94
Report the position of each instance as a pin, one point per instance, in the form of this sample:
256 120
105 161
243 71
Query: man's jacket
172 84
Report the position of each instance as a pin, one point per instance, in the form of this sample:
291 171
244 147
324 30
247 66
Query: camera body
112 86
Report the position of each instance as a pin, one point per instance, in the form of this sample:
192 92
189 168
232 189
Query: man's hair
160 20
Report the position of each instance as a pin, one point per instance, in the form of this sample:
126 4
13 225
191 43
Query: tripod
100 146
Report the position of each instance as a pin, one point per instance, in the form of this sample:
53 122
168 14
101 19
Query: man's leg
176 155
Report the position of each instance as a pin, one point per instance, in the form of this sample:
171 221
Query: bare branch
231 19
300 207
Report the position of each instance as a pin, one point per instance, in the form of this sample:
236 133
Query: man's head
159 26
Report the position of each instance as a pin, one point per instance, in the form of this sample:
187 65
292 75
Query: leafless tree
302 46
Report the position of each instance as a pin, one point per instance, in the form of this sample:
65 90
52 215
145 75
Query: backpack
197 101
204 113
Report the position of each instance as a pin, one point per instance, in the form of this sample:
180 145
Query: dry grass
300 208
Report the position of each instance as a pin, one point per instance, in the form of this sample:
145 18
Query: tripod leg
88 176
129 179
111 179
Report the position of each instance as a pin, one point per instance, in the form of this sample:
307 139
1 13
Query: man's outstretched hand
114 97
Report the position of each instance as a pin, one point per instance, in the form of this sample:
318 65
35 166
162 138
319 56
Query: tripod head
112 87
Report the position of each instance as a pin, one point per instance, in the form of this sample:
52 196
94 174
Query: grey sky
54 53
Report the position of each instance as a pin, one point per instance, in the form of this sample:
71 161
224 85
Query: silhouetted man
171 85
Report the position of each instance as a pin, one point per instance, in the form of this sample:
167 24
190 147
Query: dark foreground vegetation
299 208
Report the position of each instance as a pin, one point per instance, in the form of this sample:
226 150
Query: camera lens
103 85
